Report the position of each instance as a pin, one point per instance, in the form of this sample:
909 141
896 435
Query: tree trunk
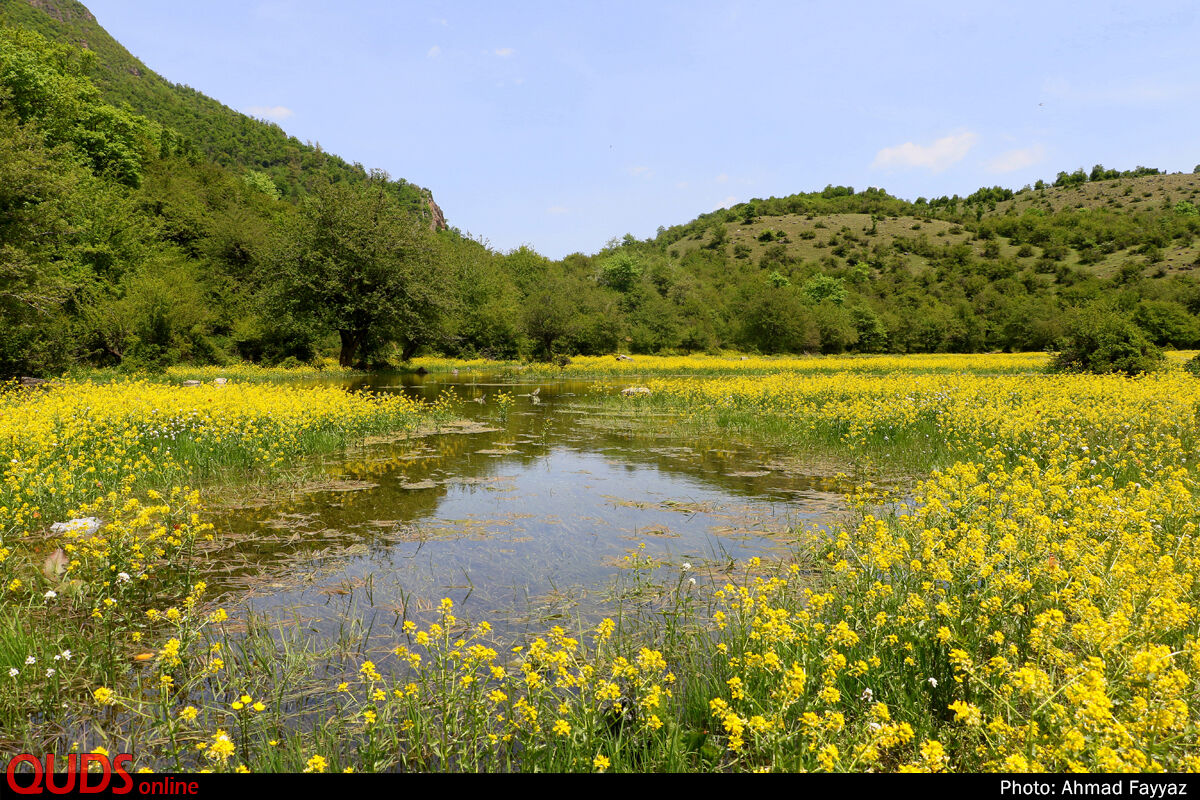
351 340
408 351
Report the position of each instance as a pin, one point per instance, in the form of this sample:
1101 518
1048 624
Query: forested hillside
143 224
223 135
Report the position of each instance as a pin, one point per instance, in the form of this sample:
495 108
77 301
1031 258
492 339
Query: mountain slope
226 136
871 225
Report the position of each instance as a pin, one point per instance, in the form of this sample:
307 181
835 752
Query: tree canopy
355 261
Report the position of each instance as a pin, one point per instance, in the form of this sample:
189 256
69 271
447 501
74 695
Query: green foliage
777 320
823 288
1167 323
142 223
1100 340
357 263
718 237
46 84
192 123
620 271
871 333
261 182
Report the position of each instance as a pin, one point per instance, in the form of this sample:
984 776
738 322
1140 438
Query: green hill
843 270
1136 202
227 137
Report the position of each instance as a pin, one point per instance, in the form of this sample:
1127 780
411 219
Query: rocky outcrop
62 11
437 220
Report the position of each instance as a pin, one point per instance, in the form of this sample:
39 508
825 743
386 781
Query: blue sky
563 124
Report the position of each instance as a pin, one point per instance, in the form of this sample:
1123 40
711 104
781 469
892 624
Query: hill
997 269
812 235
122 242
225 136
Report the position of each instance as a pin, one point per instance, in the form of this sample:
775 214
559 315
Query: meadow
1031 606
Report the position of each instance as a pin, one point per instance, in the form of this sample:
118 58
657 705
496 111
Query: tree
37 192
1100 340
776 320
358 263
719 237
47 83
620 271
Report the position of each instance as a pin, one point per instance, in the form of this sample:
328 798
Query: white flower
50 672
692 581
30 660
65 655
13 672
874 727
686 566
50 595
123 577
932 682
867 695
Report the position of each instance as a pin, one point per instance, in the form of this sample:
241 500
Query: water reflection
519 516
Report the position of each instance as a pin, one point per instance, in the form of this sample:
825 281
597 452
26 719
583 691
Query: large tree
355 261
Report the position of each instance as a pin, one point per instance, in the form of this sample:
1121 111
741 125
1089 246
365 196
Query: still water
520 515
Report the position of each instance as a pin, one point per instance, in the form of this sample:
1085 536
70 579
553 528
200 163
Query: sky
561 125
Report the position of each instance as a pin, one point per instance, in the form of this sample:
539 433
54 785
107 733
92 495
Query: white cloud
640 171
1017 159
504 52
433 52
276 113
937 156
440 21
558 210
723 178
726 203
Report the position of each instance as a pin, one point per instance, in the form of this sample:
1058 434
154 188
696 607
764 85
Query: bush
1101 342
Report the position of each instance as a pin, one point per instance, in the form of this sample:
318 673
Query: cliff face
437 220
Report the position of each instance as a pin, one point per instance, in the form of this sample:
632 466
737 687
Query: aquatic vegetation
81 441
126 460
245 371
736 364
1034 606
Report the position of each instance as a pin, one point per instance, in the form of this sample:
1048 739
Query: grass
133 454
1034 607
737 364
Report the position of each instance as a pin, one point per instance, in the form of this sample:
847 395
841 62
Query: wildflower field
1032 605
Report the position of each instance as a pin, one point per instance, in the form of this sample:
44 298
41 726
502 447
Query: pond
521 514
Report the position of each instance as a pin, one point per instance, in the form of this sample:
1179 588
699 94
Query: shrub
1102 341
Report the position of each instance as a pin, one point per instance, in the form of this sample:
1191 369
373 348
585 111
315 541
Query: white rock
84 526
